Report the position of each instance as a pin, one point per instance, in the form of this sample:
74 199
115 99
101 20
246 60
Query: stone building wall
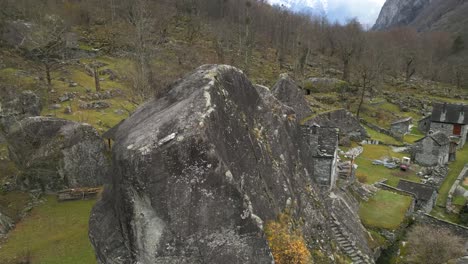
323 171
400 128
428 153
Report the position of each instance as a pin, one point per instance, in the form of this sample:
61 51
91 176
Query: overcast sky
366 11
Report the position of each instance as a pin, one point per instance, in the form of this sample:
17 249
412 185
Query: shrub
287 245
361 177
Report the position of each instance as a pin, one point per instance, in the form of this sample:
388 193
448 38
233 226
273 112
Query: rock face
199 172
54 153
399 13
13 108
342 119
291 95
424 15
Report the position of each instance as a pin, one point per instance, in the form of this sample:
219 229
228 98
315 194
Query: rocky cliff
425 15
399 13
198 173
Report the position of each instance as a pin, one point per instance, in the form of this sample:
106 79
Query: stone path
346 244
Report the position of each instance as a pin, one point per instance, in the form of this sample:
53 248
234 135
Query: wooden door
457 129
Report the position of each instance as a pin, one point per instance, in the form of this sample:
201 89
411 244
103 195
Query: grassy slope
375 173
384 210
54 233
455 169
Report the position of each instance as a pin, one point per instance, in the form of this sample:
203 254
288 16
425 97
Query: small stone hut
425 195
432 150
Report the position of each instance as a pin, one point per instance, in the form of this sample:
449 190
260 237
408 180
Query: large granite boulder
291 95
325 85
53 153
197 174
346 122
14 107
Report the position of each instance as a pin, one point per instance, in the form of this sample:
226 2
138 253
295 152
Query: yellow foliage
288 246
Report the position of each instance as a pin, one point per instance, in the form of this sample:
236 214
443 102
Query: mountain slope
425 15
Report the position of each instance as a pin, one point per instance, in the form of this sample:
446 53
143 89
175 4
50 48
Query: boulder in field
54 154
198 174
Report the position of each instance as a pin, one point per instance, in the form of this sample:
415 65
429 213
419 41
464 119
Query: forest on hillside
235 32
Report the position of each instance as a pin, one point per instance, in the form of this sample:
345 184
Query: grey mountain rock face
291 95
197 173
400 13
54 153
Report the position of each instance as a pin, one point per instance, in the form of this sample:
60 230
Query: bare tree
433 245
349 41
46 45
369 66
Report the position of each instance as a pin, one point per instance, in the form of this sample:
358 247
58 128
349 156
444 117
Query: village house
451 119
401 127
432 150
324 146
425 195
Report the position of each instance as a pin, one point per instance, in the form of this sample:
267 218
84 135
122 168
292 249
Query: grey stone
200 170
14 107
95 105
291 95
53 153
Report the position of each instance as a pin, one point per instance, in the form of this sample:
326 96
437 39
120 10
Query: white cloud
366 11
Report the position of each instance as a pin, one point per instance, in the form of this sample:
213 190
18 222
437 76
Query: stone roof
421 191
450 113
408 119
440 138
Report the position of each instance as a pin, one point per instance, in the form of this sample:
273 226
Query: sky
366 11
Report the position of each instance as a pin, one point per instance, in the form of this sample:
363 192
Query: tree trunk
364 81
409 71
96 79
346 69
48 76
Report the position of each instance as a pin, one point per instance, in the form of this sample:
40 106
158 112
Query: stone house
432 150
424 195
401 127
324 147
451 119
424 124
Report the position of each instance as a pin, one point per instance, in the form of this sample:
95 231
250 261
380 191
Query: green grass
381 137
440 212
54 233
454 170
374 173
459 200
384 210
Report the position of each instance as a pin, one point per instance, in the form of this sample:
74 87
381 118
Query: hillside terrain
185 142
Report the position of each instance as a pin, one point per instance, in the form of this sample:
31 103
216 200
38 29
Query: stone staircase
347 245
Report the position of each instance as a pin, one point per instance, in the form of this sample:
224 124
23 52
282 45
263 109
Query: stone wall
428 153
323 171
460 177
382 130
400 128
424 125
